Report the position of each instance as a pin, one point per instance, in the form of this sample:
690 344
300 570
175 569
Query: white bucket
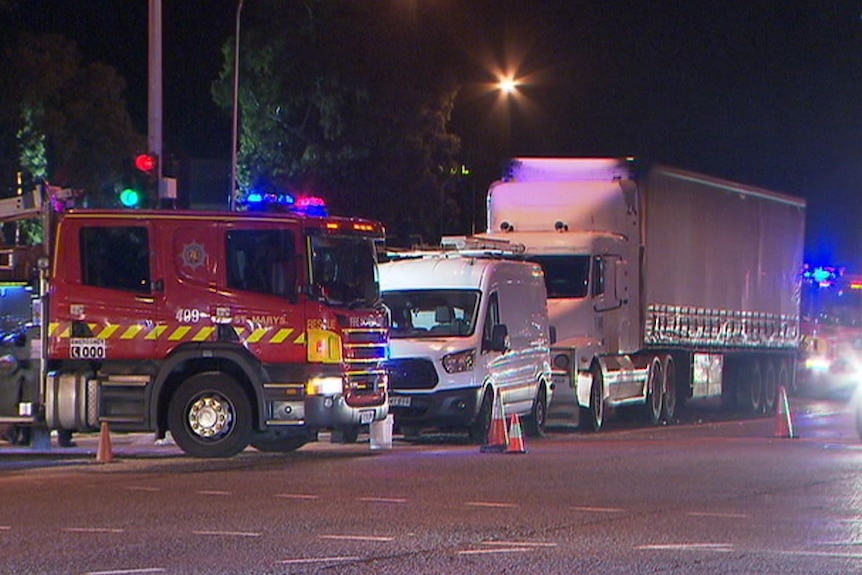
381 433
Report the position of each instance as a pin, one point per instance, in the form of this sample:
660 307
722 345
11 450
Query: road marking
297 496
382 499
822 554
319 560
500 550
490 504
127 571
718 515
520 543
598 509
228 533
92 530
717 547
212 492
358 538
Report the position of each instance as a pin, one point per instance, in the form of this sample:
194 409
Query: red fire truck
831 359
226 329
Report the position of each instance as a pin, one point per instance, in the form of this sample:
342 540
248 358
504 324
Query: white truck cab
465 327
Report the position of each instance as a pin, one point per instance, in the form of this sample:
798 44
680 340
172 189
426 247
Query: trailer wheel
669 401
754 389
535 424
482 423
593 417
654 391
770 388
859 418
210 416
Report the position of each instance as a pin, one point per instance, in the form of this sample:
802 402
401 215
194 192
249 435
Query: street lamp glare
508 85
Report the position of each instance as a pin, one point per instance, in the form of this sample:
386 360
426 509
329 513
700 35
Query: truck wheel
593 417
754 389
770 388
535 423
669 401
210 416
482 423
654 392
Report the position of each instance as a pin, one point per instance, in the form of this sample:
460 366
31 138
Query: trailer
664 285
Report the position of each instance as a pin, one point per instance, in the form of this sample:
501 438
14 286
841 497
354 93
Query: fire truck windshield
344 270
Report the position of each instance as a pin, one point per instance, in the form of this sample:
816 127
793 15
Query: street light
231 200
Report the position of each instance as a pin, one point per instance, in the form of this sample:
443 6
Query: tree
63 120
336 98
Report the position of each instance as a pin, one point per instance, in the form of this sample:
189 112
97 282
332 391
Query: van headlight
459 362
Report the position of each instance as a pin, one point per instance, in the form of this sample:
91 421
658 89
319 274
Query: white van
463 328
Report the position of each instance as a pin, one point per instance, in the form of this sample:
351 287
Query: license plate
399 401
366 416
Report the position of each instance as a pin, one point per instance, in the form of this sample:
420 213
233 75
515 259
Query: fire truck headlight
324 386
817 364
459 362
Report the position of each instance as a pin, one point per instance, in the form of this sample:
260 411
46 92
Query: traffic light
130 198
147 163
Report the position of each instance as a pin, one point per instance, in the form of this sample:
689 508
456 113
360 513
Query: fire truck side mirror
43 263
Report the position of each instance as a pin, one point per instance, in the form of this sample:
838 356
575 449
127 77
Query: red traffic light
147 162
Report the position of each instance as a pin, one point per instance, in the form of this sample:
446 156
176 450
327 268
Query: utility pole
231 199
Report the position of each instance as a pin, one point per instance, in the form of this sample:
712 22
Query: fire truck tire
770 388
210 415
754 389
482 423
655 392
593 417
670 401
535 422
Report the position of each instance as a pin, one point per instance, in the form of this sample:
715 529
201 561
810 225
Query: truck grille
365 352
413 373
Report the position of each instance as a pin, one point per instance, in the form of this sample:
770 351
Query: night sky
765 93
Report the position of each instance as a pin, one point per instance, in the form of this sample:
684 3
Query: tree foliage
336 99
63 120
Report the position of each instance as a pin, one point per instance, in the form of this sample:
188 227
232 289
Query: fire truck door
106 305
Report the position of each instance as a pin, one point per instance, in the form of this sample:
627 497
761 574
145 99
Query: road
711 495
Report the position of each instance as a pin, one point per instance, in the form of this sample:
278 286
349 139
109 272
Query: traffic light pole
231 198
154 99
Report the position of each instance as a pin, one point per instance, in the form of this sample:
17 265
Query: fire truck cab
226 329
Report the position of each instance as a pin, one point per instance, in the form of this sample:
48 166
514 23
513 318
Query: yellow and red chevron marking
179 333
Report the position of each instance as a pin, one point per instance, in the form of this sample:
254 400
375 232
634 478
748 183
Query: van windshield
432 313
565 276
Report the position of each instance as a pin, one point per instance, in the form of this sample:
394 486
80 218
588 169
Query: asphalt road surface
712 495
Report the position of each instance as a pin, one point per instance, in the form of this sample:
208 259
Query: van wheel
654 392
482 423
535 423
593 417
210 416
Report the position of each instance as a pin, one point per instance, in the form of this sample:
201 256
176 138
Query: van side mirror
552 332
499 338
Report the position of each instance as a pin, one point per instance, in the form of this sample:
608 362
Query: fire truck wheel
482 423
210 416
535 422
593 417
669 403
654 392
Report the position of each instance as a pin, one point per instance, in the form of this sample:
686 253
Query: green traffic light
130 198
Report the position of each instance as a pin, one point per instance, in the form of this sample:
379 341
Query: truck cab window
116 258
262 261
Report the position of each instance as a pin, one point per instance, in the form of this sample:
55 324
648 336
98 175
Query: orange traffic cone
105 454
516 438
498 438
783 424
